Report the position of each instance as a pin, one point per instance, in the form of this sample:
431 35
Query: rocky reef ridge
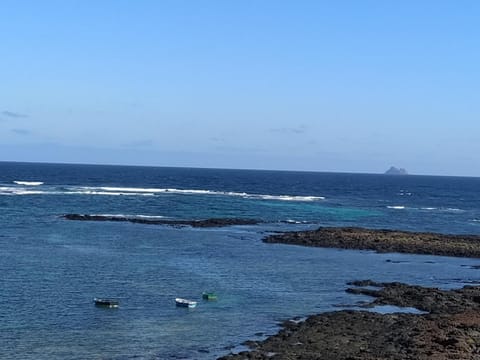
383 241
203 223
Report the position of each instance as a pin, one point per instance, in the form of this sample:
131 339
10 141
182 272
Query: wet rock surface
214 222
383 241
450 330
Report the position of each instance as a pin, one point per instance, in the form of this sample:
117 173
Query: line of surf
205 192
24 188
439 209
28 183
130 216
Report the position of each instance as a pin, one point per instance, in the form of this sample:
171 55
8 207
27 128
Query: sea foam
28 183
152 191
24 188
129 216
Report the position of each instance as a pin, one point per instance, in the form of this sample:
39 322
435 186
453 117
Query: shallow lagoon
49 312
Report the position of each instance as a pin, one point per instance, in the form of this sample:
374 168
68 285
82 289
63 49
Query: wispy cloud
21 131
302 129
12 114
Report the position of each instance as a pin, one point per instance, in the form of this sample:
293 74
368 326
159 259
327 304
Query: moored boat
208 295
106 302
185 303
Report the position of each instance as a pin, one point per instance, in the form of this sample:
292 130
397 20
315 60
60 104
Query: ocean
52 268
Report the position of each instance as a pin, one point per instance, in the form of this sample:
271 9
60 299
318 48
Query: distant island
396 171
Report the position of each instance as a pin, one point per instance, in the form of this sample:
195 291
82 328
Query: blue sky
300 85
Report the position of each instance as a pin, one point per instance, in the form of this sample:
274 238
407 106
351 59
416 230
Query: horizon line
238 169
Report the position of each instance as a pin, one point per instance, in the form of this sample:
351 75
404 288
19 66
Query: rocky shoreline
450 328
383 241
206 223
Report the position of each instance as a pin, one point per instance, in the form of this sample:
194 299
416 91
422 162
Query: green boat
210 296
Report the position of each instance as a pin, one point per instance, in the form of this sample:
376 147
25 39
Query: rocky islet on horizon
396 171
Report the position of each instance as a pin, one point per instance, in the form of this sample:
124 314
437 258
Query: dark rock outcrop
450 331
383 241
214 222
449 328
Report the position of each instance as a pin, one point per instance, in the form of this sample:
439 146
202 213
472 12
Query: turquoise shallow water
51 269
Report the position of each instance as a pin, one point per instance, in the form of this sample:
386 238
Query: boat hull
209 296
185 303
110 303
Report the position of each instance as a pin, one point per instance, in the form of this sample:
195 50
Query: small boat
210 296
106 302
185 303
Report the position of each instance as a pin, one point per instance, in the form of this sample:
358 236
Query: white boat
185 303
106 302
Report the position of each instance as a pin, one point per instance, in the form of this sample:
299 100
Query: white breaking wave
28 183
152 191
28 192
131 191
291 221
449 210
108 193
7 190
127 216
287 197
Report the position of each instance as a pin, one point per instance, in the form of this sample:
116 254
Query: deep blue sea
52 268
